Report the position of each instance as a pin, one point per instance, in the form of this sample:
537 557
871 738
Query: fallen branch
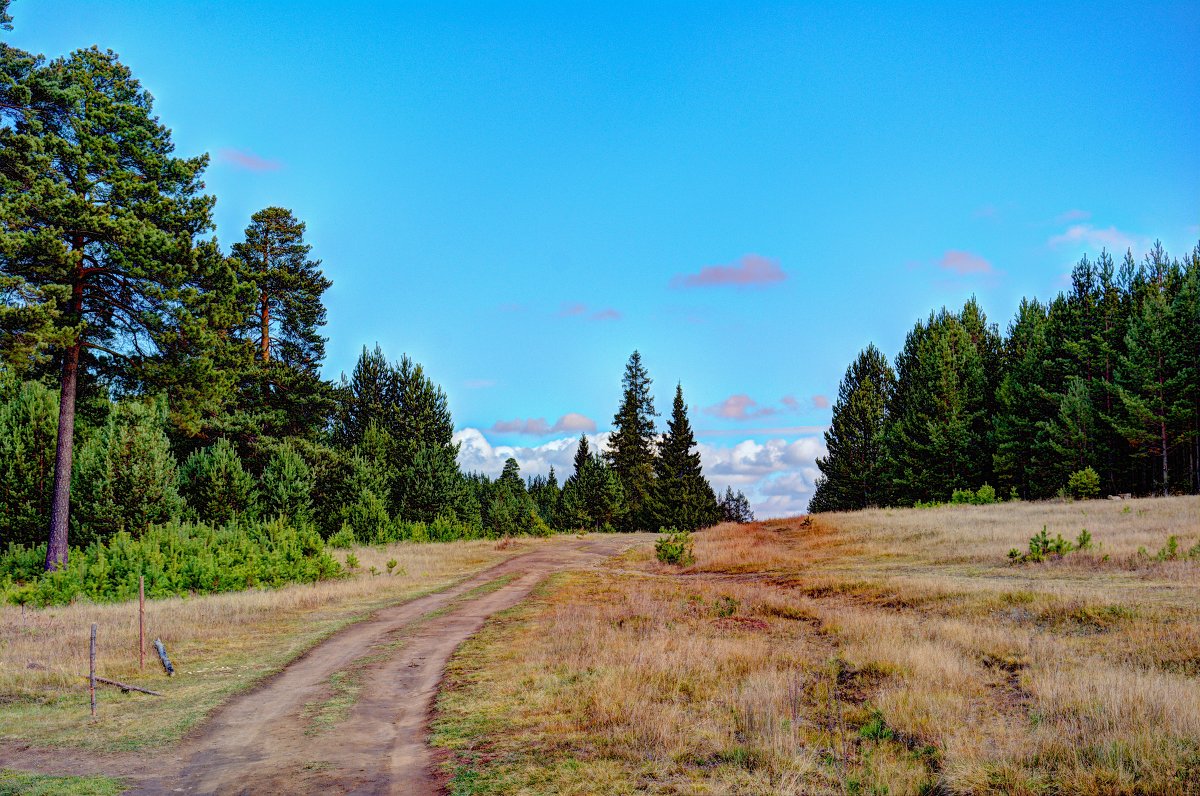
124 686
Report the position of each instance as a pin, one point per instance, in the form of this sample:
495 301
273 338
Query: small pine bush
1042 547
343 539
1084 484
675 548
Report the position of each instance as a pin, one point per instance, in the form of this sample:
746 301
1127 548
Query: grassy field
888 651
219 644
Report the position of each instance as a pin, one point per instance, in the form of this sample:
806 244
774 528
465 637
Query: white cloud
1094 237
777 475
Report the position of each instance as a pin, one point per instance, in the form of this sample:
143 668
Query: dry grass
875 652
220 644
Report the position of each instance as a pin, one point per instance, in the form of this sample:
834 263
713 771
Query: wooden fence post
141 623
92 669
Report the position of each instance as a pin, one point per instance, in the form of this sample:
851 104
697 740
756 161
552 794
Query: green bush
675 548
984 496
343 539
1042 547
176 559
1084 484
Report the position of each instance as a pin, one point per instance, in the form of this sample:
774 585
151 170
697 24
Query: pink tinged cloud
245 159
572 310
739 407
752 269
606 314
965 263
791 403
534 426
538 427
820 402
573 421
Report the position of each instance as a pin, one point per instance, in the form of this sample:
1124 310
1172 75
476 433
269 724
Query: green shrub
176 559
1084 484
985 495
1169 551
1042 547
675 548
725 606
962 497
343 539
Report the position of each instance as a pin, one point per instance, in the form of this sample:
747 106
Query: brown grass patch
880 651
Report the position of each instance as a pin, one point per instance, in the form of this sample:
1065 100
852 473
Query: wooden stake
141 623
92 669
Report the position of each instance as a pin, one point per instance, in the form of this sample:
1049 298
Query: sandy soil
265 741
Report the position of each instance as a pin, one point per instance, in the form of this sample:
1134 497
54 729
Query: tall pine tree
852 468
98 228
685 500
282 390
631 446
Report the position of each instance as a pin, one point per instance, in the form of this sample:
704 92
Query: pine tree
631 446
735 507
1026 397
853 464
97 232
217 487
287 486
274 258
684 499
27 433
934 439
1072 432
126 476
282 391
1145 381
1185 364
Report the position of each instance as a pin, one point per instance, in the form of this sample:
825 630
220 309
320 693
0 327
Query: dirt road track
265 741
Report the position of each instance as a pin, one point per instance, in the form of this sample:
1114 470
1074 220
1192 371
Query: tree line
149 376
1100 385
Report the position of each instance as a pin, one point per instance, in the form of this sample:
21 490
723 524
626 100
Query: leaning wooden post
92 669
141 623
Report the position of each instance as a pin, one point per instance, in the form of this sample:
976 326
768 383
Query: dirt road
351 715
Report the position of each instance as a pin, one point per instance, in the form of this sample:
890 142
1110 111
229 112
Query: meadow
887 651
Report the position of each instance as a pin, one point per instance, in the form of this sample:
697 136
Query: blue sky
520 195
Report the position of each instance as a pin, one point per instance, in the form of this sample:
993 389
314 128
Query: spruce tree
98 226
684 500
631 446
853 464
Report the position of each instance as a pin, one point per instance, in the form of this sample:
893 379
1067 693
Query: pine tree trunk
266 329
1166 488
56 550
57 547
